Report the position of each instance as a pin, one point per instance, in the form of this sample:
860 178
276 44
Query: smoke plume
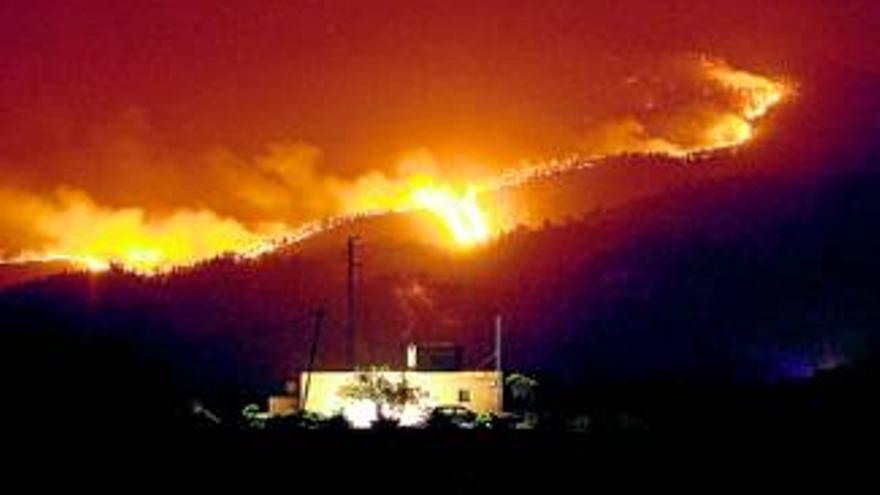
122 194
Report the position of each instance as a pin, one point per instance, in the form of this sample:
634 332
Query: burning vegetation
723 108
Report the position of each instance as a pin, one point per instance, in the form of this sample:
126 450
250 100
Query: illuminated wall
282 404
475 390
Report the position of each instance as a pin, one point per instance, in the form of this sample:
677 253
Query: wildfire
757 94
460 212
95 238
418 187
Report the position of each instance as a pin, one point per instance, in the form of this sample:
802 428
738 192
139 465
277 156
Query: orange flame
757 94
94 237
460 212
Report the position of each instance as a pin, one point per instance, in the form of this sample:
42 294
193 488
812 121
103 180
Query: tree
253 418
522 391
373 385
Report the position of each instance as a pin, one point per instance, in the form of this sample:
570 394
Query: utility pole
351 316
498 368
319 318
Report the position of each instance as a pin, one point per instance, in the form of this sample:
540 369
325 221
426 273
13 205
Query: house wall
442 388
282 404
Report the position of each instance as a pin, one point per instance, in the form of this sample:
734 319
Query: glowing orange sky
182 108
365 80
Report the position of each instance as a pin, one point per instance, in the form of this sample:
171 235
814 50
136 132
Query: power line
319 318
351 318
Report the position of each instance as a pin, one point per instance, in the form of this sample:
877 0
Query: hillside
751 266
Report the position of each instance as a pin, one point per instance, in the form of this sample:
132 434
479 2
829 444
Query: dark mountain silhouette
752 266
12 274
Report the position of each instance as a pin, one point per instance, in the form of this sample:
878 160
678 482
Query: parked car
452 417
499 421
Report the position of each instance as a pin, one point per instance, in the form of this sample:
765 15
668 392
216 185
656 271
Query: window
464 395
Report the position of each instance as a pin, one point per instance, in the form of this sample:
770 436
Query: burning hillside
712 106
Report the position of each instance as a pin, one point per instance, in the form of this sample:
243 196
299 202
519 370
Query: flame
419 187
756 94
97 238
727 104
460 213
728 131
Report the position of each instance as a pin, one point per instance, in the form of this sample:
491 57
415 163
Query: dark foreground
444 461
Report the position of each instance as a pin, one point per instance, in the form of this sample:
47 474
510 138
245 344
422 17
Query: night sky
124 101
204 126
